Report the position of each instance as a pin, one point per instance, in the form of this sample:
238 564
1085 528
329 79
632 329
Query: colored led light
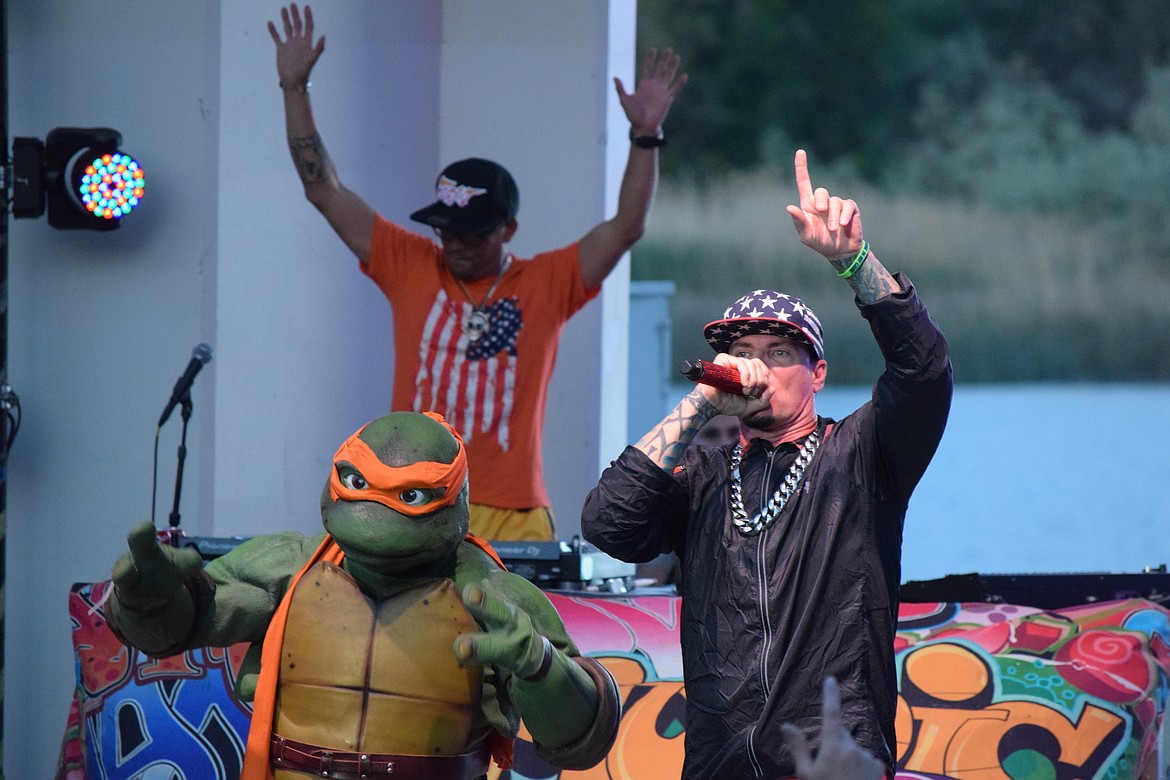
111 185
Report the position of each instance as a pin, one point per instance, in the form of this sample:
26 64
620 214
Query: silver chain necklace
478 322
791 482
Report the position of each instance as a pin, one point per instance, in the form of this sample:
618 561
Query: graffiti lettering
949 725
649 739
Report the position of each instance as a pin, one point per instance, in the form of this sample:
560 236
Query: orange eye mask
414 490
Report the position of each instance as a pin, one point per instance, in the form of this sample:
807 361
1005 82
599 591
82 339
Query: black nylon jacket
766 617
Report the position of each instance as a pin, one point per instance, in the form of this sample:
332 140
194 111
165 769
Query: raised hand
828 224
152 606
149 575
296 54
648 105
839 757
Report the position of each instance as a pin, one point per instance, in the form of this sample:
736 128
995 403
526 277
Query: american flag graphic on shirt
471 383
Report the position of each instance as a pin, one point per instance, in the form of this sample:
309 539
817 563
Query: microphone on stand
724 378
199 356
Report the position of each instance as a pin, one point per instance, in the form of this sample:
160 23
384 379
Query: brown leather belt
343 765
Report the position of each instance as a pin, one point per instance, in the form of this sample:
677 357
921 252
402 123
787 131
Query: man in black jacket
789 539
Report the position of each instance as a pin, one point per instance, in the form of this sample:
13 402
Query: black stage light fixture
28 181
86 180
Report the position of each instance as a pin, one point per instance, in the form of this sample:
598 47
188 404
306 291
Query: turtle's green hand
508 640
148 576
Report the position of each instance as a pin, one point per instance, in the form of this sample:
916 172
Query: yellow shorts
512 525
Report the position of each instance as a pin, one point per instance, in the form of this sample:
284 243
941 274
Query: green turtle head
393 520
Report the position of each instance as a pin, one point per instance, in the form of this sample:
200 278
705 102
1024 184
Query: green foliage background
1012 158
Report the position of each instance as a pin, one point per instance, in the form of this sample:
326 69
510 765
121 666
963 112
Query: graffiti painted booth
987 692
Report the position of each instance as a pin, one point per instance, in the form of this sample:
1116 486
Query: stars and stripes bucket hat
770 313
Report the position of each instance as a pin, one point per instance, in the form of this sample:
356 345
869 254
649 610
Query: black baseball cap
471 196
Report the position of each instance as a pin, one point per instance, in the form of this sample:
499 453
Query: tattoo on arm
871 281
665 442
311 159
704 407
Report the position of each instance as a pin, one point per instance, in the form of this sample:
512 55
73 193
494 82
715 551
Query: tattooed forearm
660 449
704 407
311 158
665 442
871 281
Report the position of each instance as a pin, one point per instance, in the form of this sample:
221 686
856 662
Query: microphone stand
185 411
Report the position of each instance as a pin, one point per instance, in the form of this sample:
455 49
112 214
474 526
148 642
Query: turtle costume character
394 644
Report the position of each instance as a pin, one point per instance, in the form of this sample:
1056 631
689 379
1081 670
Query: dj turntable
572 565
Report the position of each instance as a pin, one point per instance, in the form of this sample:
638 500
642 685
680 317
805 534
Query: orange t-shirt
492 390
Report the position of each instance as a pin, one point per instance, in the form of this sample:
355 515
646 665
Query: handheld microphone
199 356
705 372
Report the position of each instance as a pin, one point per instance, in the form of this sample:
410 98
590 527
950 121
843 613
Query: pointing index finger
143 543
831 704
804 187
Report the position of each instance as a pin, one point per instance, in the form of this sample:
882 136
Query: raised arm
832 226
296 54
646 108
913 395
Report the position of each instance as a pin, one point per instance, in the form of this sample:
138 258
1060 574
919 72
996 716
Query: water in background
1037 478
1040 478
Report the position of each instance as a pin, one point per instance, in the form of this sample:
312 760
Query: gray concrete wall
225 250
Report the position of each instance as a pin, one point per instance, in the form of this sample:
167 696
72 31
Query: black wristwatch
647 141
